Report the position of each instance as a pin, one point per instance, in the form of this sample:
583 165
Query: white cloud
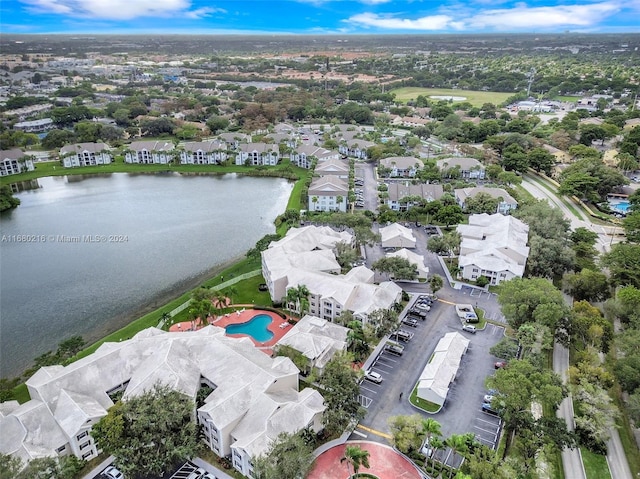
433 22
521 16
204 12
518 17
374 2
120 9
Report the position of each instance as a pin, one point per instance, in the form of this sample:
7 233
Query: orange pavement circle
384 462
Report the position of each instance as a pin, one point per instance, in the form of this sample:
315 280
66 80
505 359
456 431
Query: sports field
476 98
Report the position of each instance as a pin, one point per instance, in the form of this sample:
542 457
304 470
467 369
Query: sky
318 16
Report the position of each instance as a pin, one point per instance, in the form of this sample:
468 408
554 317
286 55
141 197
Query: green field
476 98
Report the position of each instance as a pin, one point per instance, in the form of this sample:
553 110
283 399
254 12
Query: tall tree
289 457
339 387
356 457
159 420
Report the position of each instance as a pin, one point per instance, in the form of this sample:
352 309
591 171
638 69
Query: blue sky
318 16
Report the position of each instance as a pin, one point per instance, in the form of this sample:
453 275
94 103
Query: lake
84 255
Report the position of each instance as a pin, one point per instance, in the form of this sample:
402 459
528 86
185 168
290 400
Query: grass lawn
595 465
476 98
427 406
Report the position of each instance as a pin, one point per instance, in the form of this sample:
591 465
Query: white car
373 376
112 473
197 474
469 328
488 398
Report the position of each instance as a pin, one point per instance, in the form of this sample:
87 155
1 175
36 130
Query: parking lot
462 411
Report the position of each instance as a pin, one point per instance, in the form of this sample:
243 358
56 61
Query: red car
500 364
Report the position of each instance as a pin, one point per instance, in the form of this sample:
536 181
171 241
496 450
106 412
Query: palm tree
303 299
430 428
458 443
231 292
355 456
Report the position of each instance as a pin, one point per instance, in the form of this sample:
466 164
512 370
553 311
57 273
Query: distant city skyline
318 16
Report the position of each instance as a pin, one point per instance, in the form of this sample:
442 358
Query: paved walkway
384 462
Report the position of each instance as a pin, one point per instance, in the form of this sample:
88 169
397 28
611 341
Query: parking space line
380 366
488 422
491 443
486 430
370 390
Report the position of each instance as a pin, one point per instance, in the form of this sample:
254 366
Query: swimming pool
256 327
622 206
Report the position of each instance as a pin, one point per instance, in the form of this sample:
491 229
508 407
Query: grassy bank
595 465
53 168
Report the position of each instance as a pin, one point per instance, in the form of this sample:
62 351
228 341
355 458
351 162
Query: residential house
400 166
506 201
150 152
332 167
35 126
85 154
402 195
203 153
355 148
234 139
493 246
397 236
328 193
305 256
317 339
470 168
286 139
413 258
15 161
254 154
254 397
303 155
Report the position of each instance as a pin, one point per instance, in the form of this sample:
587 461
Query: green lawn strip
625 431
595 465
476 98
420 403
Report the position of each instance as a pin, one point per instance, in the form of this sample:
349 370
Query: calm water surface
167 232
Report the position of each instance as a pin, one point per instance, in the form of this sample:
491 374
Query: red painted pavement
384 462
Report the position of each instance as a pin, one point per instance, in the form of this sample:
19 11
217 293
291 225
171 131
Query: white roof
413 258
494 243
329 185
397 236
65 398
402 162
464 193
316 338
438 374
465 164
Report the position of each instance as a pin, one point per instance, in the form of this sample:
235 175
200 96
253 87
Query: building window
81 435
85 445
61 448
87 455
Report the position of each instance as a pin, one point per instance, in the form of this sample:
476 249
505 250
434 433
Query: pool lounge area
264 328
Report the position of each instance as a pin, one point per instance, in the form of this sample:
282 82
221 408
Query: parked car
423 307
394 349
421 313
488 398
486 407
373 376
469 328
197 474
402 335
500 364
112 473
410 322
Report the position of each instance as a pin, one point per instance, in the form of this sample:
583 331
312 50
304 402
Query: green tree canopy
289 457
159 420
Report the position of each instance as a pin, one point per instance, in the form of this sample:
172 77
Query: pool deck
384 462
242 315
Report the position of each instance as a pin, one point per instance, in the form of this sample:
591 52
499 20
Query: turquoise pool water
622 206
256 327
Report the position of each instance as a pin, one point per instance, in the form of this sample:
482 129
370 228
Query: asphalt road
606 235
571 459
